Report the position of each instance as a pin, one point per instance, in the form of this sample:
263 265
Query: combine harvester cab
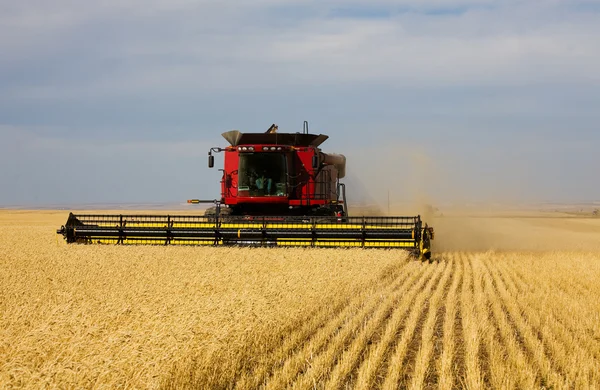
277 189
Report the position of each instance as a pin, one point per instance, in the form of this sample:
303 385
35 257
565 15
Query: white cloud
185 45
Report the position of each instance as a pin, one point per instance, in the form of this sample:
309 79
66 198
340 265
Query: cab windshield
262 174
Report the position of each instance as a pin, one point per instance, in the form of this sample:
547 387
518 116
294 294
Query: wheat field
503 313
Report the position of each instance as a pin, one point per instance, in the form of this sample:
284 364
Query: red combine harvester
272 174
277 189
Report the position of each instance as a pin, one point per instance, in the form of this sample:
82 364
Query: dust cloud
468 212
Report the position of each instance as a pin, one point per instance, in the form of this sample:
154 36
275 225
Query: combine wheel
323 212
328 212
211 213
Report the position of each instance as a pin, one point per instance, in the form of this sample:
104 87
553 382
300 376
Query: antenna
305 127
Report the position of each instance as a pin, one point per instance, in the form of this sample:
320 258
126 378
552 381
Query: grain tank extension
277 189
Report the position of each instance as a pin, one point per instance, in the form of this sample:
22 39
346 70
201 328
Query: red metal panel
306 176
299 169
230 179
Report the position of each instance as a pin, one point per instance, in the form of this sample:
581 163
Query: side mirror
315 161
211 161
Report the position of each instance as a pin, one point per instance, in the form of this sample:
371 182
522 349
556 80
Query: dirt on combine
512 305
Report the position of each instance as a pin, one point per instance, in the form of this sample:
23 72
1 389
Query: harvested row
521 373
467 321
447 360
353 354
331 339
560 345
425 353
313 334
571 328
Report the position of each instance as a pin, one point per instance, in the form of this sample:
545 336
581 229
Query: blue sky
473 100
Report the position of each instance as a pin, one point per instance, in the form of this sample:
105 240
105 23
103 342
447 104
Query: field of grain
507 303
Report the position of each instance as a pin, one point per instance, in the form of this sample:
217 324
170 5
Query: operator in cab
264 184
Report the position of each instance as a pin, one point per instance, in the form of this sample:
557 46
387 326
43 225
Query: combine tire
211 213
